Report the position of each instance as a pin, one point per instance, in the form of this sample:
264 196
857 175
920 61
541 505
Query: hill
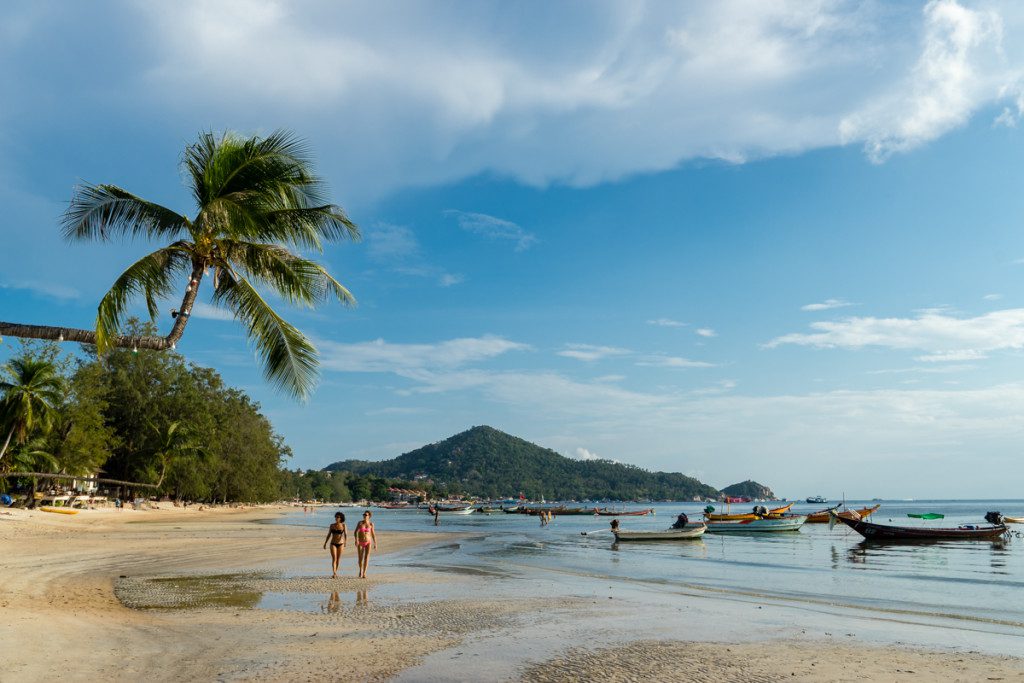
749 489
484 461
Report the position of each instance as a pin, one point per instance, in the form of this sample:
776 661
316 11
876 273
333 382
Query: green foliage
257 203
486 462
31 389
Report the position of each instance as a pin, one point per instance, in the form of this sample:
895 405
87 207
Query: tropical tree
258 203
32 390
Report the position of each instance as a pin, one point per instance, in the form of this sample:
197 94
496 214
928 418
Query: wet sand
218 595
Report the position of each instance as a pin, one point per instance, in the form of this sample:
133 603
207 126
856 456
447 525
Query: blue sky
732 239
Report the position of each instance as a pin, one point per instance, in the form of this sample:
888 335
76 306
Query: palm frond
100 211
289 359
151 276
299 280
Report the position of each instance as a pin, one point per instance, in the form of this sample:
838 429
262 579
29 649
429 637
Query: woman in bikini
364 537
337 534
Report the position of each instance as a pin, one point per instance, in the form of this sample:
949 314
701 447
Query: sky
737 239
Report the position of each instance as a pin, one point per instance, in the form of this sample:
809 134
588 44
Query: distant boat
885 532
455 509
605 512
817 499
787 523
685 534
488 510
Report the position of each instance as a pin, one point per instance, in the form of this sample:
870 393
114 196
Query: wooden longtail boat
885 532
488 510
821 517
776 512
1013 520
667 535
59 510
623 513
787 523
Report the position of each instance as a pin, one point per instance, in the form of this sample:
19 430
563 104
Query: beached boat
787 523
821 517
776 512
60 510
885 532
687 533
605 512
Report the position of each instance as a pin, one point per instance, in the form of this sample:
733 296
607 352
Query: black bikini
335 533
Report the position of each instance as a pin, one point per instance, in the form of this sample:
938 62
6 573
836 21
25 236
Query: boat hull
822 517
686 534
624 513
59 511
1014 520
747 515
883 532
792 523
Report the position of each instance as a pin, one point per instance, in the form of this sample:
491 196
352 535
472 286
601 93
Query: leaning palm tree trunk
73 334
7 442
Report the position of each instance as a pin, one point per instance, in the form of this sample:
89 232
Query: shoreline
61 594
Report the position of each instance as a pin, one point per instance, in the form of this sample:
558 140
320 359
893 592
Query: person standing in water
337 534
365 535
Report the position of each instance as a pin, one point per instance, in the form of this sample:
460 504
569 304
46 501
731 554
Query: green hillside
484 461
749 489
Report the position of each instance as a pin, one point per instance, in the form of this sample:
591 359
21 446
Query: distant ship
817 499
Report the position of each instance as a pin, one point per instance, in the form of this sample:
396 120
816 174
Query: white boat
666 535
454 510
789 523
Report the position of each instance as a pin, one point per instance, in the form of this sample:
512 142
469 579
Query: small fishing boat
787 523
488 510
605 512
886 532
454 509
666 535
821 517
817 499
776 512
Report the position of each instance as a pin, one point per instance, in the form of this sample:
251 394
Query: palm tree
258 202
31 392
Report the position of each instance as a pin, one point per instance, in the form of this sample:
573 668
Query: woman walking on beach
337 534
364 537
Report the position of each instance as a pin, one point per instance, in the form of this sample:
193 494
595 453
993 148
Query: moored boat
1013 520
775 512
886 532
605 512
821 517
787 523
487 510
687 533
817 499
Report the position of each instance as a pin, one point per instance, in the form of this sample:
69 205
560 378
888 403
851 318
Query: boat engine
994 518
760 510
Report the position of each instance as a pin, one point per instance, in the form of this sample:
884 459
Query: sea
972 588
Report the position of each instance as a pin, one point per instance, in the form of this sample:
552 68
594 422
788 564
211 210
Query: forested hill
484 461
749 489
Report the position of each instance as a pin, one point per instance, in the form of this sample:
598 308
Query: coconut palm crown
258 204
30 391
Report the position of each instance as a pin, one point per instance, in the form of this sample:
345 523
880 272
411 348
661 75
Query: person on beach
615 525
437 517
337 534
365 535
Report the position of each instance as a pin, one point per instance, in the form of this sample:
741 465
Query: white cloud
673 362
54 290
992 297
706 332
666 322
826 305
208 312
427 94
493 228
584 454
590 353
944 337
396 248
961 65
403 359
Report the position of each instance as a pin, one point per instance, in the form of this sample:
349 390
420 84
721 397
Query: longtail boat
821 517
1014 520
685 534
787 523
605 512
885 532
776 512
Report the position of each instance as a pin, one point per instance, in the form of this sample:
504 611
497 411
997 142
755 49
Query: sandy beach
220 594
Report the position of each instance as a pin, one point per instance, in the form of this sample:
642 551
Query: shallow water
977 583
